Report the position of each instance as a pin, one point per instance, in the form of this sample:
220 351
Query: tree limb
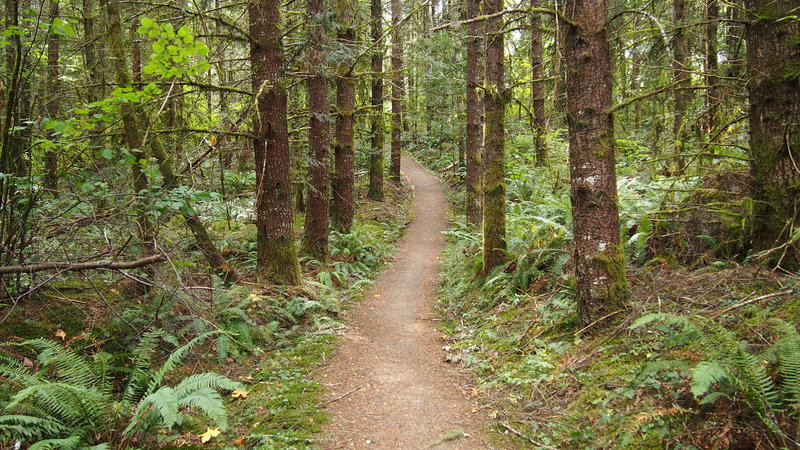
89 265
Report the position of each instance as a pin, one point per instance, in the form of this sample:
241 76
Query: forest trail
390 387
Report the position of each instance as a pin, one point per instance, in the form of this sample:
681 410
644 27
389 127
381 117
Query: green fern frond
210 402
705 375
69 366
161 404
70 404
22 427
786 353
16 373
175 359
143 354
60 443
207 380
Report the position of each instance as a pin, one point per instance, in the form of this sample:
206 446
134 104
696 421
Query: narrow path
390 385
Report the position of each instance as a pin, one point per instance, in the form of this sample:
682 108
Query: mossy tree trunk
712 66
537 86
474 119
53 89
494 184
344 148
133 139
680 75
277 253
377 129
133 123
317 225
398 90
773 60
602 287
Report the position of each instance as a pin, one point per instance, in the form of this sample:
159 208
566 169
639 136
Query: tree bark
50 181
344 148
317 225
130 125
277 252
602 287
537 86
474 132
680 74
377 131
494 185
398 90
712 17
773 61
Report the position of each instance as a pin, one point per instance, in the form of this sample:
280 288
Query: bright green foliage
70 400
176 53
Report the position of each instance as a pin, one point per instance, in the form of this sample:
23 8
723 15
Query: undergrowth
194 361
724 377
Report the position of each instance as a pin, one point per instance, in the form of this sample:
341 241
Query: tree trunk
317 225
377 131
680 74
494 185
93 65
537 86
51 157
344 149
712 17
398 89
474 132
277 253
132 126
602 287
773 61
131 130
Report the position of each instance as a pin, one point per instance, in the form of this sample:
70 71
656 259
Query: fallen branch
509 428
344 395
753 300
89 265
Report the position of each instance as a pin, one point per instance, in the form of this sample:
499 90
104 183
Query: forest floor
389 385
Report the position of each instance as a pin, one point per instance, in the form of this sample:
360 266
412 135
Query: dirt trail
390 385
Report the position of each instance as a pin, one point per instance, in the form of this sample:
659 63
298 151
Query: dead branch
89 265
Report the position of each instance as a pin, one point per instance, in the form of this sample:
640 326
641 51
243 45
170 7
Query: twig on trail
753 300
344 395
508 427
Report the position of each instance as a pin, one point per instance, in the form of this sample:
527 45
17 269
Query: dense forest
208 208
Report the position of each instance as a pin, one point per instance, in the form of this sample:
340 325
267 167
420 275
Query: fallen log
88 265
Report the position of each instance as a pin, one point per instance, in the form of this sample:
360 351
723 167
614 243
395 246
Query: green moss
617 290
281 265
282 408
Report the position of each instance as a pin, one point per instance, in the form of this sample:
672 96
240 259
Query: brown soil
389 384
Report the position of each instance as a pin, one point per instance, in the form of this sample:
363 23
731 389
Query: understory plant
65 399
766 381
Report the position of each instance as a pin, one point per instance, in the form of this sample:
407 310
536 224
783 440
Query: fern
58 443
786 353
175 359
730 366
28 427
210 403
71 403
205 381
